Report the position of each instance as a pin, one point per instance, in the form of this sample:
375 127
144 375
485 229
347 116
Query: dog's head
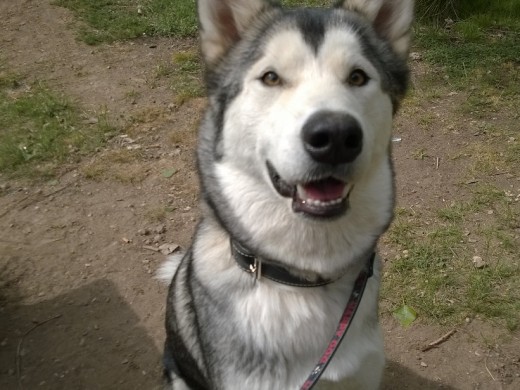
300 112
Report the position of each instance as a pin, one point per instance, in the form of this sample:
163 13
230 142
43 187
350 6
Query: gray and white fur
294 159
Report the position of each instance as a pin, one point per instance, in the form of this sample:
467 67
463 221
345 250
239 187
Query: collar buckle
256 268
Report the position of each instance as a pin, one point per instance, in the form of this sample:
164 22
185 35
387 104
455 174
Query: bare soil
79 307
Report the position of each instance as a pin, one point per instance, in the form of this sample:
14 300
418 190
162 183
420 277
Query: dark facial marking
311 23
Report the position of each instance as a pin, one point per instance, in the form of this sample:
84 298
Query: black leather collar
248 262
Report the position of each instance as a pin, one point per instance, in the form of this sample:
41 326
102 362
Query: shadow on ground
398 377
90 339
86 339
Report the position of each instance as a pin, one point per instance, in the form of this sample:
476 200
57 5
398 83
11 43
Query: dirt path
79 308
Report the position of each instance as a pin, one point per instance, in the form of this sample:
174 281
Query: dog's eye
271 79
358 78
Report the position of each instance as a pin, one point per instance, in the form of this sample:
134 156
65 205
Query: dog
297 186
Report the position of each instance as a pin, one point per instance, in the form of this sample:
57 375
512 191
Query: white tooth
306 199
346 190
319 203
302 194
314 202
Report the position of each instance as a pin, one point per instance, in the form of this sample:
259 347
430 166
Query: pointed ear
222 23
392 19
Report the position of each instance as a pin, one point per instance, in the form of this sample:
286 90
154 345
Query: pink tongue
325 190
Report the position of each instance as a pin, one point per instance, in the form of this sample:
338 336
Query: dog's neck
271 269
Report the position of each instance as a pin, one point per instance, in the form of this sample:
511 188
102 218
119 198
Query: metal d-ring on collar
249 263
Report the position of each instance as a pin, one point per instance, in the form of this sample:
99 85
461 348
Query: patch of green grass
420 154
40 129
455 213
486 195
480 48
512 152
433 10
187 76
488 60
489 10
434 272
8 80
157 213
164 70
122 165
112 20
437 11
425 268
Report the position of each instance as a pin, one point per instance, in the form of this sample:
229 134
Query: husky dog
297 181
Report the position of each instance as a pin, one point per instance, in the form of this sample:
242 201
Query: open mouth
324 198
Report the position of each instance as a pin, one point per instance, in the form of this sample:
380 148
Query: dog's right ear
222 23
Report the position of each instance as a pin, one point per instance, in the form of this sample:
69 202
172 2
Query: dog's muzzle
331 139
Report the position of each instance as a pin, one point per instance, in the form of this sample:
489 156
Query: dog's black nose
332 137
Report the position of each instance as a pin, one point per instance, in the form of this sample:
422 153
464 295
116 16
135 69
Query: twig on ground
501 173
439 341
437 162
151 248
489 372
19 348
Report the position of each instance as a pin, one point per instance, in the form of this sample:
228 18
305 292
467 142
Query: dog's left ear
222 23
392 19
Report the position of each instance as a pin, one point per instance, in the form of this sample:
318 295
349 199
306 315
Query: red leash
344 324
